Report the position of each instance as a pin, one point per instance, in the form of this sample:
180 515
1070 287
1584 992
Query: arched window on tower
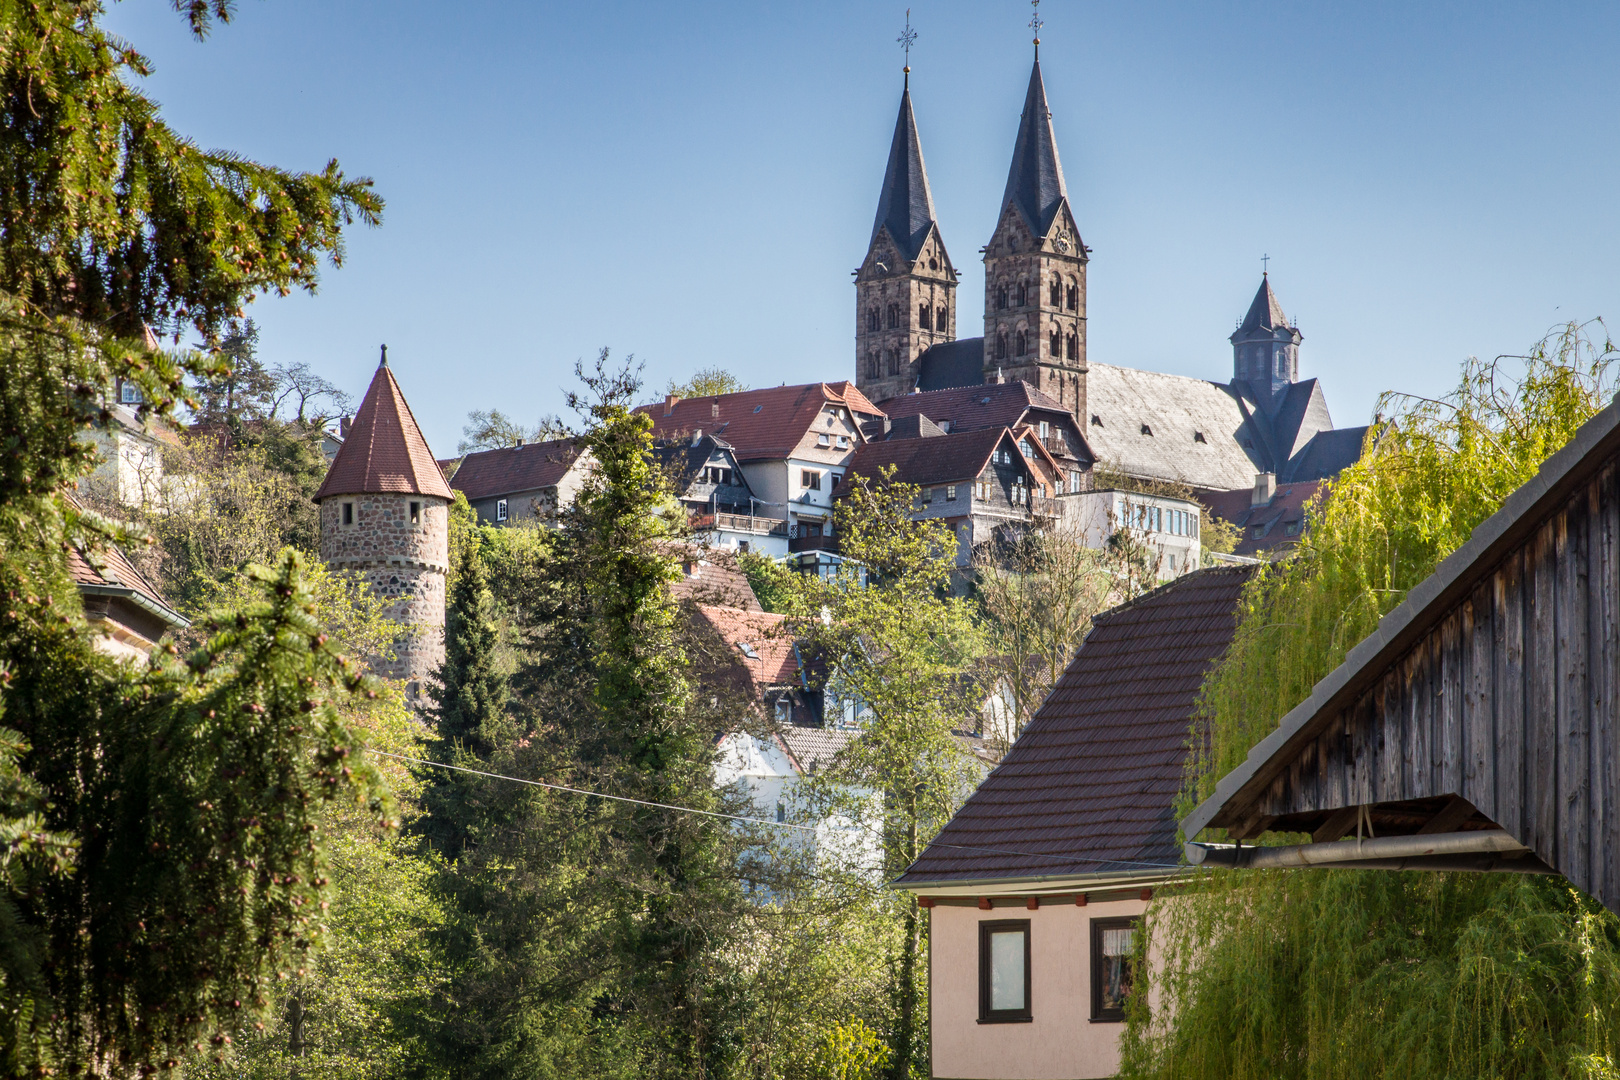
1074 297
1073 347
1056 297
894 316
1001 298
1023 293
925 316
894 361
873 368
1057 343
1023 344
941 322
873 320
1001 346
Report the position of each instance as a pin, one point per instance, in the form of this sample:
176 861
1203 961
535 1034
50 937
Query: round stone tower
385 516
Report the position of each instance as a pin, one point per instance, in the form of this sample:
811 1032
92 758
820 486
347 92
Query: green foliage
774 585
1350 973
898 643
851 1052
707 382
491 429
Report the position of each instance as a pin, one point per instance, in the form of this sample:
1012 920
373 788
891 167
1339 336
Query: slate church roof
1035 180
1090 785
1265 313
905 206
385 450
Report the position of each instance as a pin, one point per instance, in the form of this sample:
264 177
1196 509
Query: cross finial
907 36
1035 24
1265 265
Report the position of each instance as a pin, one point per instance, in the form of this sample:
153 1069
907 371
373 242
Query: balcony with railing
812 543
748 523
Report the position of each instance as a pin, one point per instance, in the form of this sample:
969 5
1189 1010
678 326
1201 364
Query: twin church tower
1034 279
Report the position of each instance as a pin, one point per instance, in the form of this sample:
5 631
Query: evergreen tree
190 790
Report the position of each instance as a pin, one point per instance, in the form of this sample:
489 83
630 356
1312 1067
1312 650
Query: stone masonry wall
1018 266
402 562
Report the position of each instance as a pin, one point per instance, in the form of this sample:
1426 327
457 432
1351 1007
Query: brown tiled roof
812 748
970 408
1089 786
514 468
773 662
942 459
713 578
1287 507
759 424
119 574
384 450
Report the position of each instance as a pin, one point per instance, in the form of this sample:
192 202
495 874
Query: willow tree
1350 973
176 870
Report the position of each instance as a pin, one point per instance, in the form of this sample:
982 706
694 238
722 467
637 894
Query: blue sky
694 183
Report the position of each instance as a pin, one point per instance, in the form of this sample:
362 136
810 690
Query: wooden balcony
748 523
812 543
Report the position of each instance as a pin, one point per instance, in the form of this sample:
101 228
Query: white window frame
500 510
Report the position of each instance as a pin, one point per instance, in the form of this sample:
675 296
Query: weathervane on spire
907 36
1035 24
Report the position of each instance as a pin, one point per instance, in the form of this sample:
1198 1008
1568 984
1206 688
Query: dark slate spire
905 206
1265 313
1035 181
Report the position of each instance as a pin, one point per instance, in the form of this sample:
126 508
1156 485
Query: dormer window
1096 421
1146 430
823 439
1198 436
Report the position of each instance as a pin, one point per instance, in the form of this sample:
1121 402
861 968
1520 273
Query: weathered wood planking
1511 700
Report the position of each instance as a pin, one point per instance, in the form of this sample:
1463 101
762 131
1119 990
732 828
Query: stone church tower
385 516
1035 268
1265 348
905 289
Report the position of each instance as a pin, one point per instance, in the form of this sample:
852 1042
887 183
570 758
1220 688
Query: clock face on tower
1063 242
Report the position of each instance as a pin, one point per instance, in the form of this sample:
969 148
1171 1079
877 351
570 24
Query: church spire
905 204
1035 180
1265 347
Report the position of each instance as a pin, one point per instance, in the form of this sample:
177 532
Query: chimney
343 426
520 442
1265 486
714 410
697 436
670 401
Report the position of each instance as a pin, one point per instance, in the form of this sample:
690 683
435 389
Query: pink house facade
1036 887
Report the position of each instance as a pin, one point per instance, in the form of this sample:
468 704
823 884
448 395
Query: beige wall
1061 1043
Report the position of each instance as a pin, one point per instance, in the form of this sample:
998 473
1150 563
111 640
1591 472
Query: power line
774 824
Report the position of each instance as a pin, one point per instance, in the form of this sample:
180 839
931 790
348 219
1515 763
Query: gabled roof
905 205
813 748
1265 314
942 459
1287 507
712 577
981 405
513 469
758 424
385 450
759 642
1035 181
1176 409
1089 786
951 363
117 577
1326 455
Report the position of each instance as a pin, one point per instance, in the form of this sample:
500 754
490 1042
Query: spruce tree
186 790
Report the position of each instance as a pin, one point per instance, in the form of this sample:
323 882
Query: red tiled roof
773 662
940 459
712 578
1287 507
759 424
119 573
1089 786
384 450
970 408
514 468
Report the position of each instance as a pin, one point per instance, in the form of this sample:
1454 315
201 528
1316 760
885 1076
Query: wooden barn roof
1087 789
1488 700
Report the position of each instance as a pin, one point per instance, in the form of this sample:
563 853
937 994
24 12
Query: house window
824 439
1004 972
500 510
950 492
416 513
835 478
1291 529
784 713
843 442
927 495
1029 451
1111 946
129 393
348 513
810 479
1046 429
1074 480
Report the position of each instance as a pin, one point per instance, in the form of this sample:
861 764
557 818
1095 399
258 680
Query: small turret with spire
1265 347
905 289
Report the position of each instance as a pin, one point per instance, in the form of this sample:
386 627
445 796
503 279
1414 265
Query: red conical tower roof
384 450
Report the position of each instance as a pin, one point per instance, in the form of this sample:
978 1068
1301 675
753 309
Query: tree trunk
295 1027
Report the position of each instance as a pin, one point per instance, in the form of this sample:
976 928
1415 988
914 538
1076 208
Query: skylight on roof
747 650
758 407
